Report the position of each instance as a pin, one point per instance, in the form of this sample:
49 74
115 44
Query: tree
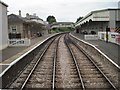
79 19
51 19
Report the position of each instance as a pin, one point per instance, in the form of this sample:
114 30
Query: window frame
13 28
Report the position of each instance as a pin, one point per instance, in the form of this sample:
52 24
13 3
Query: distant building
99 20
25 27
62 24
34 18
3 26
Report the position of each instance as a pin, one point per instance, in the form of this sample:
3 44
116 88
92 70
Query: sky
63 10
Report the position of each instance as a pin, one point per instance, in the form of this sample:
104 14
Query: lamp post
107 30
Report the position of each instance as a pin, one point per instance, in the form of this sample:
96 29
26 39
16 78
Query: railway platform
110 49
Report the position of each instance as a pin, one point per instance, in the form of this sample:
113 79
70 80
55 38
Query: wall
98 26
112 37
3 27
95 26
118 15
19 28
112 23
101 16
0 26
118 24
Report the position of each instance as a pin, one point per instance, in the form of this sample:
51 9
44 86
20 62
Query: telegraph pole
107 30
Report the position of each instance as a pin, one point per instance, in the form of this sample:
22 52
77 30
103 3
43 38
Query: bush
93 32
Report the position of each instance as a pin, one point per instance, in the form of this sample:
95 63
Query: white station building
99 20
3 25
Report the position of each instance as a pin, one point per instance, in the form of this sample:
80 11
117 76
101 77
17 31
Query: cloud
63 10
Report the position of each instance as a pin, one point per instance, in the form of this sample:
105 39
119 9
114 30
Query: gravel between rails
66 74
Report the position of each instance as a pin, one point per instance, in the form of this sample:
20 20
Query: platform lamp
107 30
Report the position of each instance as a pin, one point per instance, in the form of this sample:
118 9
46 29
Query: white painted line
4 71
98 51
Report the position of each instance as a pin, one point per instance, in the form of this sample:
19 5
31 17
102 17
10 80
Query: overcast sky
63 10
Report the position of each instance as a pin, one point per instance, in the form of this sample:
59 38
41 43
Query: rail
54 64
23 85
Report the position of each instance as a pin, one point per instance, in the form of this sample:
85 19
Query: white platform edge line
98 51
10 65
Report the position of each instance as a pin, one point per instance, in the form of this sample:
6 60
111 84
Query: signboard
112 37
112 29
118 39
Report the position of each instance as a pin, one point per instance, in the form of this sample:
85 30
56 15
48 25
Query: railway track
62 64
92 75
66 71
39 72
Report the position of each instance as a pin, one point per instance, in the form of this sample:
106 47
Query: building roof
15 18
96 11
109 9
33 17
18 19
3 3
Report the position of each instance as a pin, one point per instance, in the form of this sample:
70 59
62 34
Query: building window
13 29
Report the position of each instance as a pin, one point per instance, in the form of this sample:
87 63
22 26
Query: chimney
34 14
20 13
27 15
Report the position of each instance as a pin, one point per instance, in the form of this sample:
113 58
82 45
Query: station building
99 20
25 27
3 26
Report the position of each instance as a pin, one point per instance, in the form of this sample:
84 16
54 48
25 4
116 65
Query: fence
19 42
91 37
112 37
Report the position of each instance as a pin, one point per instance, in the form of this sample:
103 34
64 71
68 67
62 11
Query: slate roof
3 3
15 18
18 19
